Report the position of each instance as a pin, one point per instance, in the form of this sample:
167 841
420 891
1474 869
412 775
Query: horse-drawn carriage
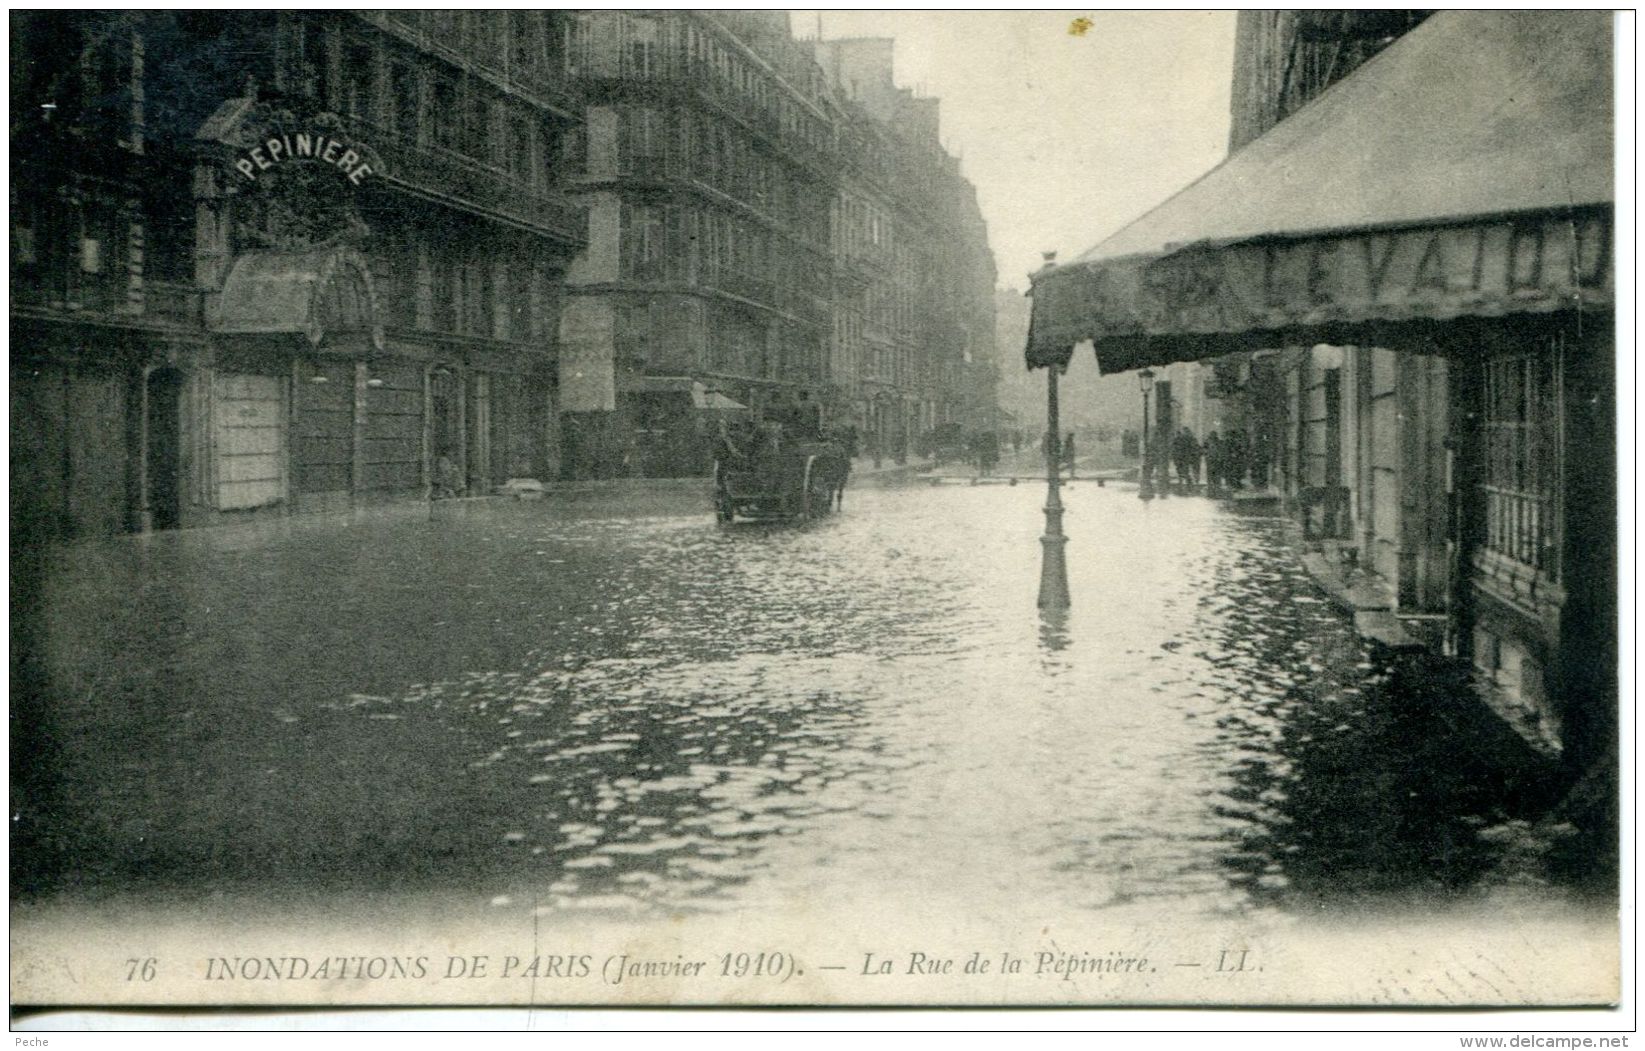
778 479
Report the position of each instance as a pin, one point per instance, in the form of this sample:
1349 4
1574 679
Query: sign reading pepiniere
304 146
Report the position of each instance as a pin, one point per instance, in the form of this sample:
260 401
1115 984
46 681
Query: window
397 279
407 99
475 293
486 33
642 43
556 30
643 255
1522 449
477 126
519 150
524 50
359 70
644 142
311 60
446 130
562 147
446 294
22 242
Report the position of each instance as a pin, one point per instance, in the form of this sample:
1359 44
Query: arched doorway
162 445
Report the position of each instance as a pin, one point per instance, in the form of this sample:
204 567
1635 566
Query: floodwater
613 705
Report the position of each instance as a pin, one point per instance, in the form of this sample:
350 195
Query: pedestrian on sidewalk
1238 458
1185 457
1261 462
1068 454
988 452
1215 451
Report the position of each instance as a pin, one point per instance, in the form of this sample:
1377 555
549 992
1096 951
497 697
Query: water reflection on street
575 707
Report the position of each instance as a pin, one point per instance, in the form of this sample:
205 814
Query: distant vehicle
777 479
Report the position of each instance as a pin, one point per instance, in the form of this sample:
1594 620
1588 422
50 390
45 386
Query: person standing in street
988 452
1236 453
1213 463
1185 457
1261 461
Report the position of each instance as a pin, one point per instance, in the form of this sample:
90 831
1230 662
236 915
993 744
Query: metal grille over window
1523 427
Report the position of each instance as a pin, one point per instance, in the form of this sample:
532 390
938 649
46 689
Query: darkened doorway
163 444
446 433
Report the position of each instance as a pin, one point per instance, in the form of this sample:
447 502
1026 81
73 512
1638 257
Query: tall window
644 141
359 71
519 148
407 99
477 125
642 46
447 130
399 278
310 60
477 297
1522 470
446 295
643 255
524 50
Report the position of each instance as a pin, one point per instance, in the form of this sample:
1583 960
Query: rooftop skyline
1067 136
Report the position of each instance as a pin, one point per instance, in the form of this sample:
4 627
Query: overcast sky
1066 137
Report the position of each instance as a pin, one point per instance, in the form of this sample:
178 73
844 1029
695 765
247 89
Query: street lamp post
1053 556
1145 380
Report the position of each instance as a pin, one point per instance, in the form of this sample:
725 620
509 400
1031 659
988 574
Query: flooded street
581 706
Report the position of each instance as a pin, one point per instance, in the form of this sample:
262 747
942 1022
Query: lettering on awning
1533 264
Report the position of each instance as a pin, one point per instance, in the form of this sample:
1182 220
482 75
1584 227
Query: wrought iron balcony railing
545 79
462 180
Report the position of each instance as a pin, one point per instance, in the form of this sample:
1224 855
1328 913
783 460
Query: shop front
1421 257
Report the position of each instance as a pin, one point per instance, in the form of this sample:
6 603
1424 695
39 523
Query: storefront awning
314 293
1464 171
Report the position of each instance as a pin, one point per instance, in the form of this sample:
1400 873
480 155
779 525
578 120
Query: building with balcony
708 174
762 231
914 276
267 262
1401 283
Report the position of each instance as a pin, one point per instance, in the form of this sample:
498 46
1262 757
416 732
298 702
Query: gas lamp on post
1145 380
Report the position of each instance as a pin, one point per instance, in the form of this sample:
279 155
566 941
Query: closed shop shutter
249 414
325 432
99 453
39 452
394 430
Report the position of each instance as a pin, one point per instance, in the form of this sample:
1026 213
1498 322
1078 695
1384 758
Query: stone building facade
763 229
272 262
276 262
1402 288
